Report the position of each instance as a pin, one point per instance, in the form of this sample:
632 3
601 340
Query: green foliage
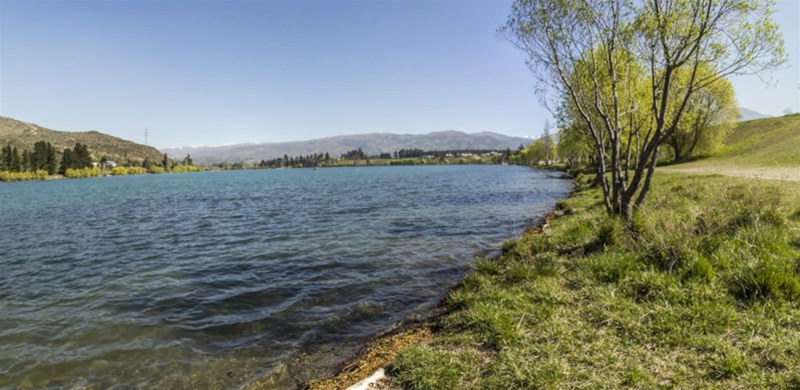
185 168
44 157
709 115
136 171
21 176
633 75
541 150
79 173
155 169
119 171
76 158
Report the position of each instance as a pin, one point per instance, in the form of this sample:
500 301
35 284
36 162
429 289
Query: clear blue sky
211 73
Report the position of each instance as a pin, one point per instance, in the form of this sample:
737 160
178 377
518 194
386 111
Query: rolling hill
761 142
762 148
23 135
372 144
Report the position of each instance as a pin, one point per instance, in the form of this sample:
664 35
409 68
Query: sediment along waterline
216 279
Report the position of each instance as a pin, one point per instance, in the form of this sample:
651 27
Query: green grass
760 143
702 291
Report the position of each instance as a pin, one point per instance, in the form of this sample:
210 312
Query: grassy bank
94 172
703 291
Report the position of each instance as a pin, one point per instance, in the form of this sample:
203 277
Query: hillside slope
763 142
372 144
763 148
23 135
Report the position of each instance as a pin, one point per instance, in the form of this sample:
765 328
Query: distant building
109 164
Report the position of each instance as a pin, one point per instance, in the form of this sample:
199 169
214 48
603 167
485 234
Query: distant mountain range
746 114
23 135
371 144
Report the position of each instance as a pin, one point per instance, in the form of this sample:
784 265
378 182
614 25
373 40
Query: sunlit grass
701 291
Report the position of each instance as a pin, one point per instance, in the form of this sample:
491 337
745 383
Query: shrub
155 169
136 171
185 168
119 171
20 176
82 173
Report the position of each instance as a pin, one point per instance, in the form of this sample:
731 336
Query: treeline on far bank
358 157
44 162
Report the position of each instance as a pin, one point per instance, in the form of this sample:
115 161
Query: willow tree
597 53
573 145
708 117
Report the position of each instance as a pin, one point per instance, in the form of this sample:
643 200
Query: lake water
217 279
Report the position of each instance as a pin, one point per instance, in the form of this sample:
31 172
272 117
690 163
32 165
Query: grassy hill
761 143
762 148
23 135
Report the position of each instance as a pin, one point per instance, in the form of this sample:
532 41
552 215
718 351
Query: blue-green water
217 279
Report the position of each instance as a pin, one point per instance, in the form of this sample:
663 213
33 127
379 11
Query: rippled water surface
217 279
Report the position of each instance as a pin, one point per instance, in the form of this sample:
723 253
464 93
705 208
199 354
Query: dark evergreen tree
51 163
4 153
67 160
16 161
81 156
27 164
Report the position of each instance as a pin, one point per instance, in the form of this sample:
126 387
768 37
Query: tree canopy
627 72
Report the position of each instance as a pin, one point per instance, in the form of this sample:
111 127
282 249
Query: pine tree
51 163
67 160
27 163
16 161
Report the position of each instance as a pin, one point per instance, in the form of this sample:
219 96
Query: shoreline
213 168
366 369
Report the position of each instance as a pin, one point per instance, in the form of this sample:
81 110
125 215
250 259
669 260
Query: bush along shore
701 290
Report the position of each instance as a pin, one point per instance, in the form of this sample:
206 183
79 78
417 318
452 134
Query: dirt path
774 173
